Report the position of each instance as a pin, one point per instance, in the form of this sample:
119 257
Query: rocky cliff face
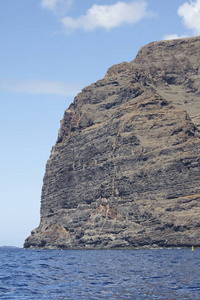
125 170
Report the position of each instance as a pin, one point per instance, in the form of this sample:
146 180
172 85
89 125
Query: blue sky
50 50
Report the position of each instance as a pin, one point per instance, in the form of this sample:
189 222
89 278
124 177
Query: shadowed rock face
124 172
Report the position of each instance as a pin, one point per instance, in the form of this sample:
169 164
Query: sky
49 51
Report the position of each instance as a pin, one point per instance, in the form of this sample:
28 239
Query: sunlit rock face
125 170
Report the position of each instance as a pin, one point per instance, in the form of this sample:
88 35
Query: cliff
124 172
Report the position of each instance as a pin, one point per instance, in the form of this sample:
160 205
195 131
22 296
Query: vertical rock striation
124 172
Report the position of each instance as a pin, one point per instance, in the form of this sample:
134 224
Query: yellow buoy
192 248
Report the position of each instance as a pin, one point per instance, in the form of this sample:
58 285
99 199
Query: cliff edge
124 172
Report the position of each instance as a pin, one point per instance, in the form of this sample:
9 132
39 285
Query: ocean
100 274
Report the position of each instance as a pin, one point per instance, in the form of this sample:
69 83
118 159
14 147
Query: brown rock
124 172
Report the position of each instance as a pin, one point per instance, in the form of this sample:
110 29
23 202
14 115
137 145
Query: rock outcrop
125 170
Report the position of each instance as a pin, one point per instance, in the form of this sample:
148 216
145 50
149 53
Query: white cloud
57 6
50 4
108 16
41 87
190 12
173 36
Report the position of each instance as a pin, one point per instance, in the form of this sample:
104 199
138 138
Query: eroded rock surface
124 172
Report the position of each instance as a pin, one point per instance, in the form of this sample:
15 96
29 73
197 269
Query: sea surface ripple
100 274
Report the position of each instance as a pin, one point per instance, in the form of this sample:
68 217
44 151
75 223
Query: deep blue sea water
110 274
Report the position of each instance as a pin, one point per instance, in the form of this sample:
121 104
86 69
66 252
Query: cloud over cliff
190 12
107 16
